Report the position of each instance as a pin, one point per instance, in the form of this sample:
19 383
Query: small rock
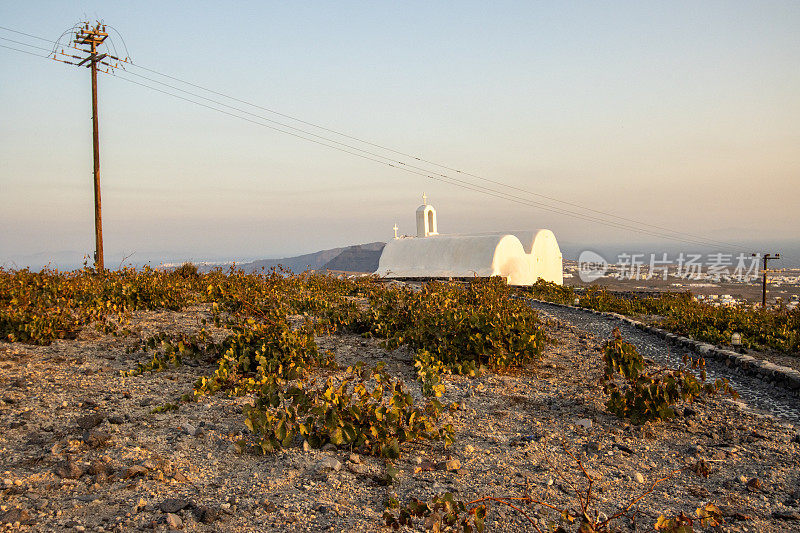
355 458
329 463
695 450
595 474
135 470
468 449
90 421
205 514
329 447
189 429
584 423
452 465
95 438
97 467
638 477
306 446
173 505
70 470
593 447
174 521
140 505
14 515
742 479
358 468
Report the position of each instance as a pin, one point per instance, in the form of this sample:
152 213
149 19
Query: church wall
440 256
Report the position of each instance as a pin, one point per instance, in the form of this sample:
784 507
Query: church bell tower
426 219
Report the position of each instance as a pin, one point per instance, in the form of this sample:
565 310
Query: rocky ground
85 449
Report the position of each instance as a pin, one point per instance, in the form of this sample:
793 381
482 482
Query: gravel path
85 448
758 395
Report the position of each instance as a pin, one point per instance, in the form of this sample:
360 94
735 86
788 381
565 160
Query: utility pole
92 37
766 257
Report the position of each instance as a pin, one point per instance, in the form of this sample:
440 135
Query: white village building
522 257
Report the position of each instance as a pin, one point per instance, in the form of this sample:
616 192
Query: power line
441 178
23 51
410 168
24 44
695 238
423 160
383 159
27 34
395 163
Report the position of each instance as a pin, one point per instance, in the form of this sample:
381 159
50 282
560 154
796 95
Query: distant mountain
356 258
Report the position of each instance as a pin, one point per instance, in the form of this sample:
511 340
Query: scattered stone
452 465
329 463
207 515
594 474
97 468
135 470
174 521
70 470
329 447
358 468
173 505
354 458
96 438
15 515
584 423
140 505
189 429
638 477
90 421
468 449
623 448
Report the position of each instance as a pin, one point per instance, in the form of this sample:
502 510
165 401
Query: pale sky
682 115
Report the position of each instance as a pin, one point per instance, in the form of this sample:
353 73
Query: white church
522 257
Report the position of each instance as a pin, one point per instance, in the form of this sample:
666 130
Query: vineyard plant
775 329
258 342
271 319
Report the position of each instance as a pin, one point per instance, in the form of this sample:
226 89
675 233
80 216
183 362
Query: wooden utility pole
93 37
766 257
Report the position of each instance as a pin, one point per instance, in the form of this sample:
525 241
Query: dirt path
84 450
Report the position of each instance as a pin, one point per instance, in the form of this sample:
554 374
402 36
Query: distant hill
356 258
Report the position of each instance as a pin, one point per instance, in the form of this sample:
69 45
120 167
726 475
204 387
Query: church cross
395 228
424 199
